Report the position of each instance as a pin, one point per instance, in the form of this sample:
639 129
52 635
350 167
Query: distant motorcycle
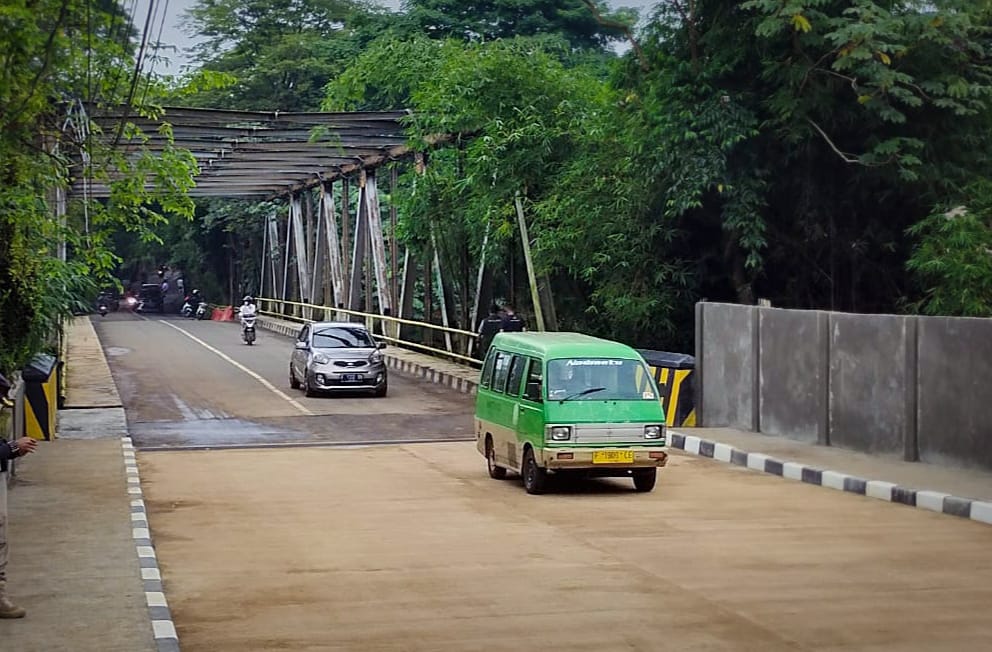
248 329
187 310
201 310
102 309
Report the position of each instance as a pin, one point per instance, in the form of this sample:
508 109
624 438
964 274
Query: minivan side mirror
533 392
303 346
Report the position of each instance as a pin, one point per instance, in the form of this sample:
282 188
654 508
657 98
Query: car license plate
613 457
352 378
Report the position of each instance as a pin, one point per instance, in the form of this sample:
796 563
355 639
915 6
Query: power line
138 64
154 56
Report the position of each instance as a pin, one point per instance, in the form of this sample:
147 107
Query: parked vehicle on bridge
335 357
201 310
150 298
567 402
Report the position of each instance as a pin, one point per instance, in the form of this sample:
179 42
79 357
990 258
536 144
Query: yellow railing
306 312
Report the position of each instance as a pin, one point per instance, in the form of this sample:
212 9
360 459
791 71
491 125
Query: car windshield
599 379
341 337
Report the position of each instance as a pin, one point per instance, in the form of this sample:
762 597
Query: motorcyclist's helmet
196 293
248 299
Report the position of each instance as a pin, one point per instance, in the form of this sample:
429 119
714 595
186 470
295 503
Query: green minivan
567 402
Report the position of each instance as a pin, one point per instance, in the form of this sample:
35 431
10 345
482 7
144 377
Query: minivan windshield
599 379
342 337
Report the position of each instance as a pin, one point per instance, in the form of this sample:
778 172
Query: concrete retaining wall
916 387
791 377
955 390
728 367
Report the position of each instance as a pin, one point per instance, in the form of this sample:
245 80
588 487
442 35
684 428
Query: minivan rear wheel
496 472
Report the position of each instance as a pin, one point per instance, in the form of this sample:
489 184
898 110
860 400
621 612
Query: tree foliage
55 56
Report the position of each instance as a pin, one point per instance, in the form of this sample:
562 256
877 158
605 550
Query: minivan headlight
320 358
375 358
654 432
561 433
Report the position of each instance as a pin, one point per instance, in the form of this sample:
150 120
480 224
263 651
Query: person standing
8 451
488 328
512 322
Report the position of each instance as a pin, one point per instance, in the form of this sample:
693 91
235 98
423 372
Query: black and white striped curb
456 383
934 501
452 381
163 629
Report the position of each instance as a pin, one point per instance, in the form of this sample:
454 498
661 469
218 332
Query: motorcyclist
248 308
195 299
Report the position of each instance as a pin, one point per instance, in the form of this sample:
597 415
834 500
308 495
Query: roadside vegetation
830 154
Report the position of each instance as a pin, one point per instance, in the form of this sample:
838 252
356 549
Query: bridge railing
407 333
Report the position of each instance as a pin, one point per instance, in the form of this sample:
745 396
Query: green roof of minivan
562 345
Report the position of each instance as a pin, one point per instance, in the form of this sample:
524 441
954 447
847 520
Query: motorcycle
248 329
201 310
102 309
187 310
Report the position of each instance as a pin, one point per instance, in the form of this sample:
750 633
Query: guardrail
305 313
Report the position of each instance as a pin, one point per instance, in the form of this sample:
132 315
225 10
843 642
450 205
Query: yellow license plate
613 457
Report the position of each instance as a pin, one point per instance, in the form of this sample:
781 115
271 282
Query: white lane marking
272 388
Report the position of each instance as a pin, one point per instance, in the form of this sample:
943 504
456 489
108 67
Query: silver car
337 356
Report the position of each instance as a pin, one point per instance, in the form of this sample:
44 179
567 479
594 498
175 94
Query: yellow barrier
679 410
41 394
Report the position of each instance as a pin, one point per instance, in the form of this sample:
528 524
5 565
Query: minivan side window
501 367
487 369
534 389
516 374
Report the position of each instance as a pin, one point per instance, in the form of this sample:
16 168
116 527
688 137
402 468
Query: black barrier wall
916 387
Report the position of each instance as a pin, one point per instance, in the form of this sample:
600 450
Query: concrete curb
452 381
393 362
934 501
163 629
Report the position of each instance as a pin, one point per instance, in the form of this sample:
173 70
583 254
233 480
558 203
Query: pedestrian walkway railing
417 335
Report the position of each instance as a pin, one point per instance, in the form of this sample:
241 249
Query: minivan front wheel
495 472
535 477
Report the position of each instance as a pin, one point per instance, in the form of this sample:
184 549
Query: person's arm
16 448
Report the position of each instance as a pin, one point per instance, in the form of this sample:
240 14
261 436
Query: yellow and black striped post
41 394
673 373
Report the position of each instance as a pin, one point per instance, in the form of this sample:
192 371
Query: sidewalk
957 492
74 564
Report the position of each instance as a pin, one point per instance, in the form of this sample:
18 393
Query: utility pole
531 278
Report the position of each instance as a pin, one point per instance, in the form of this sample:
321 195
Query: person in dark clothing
8 451
488 328
512 322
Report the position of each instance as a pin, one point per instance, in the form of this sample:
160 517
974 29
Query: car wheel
380 392
644 479
535 478
495 472
307 389
295 384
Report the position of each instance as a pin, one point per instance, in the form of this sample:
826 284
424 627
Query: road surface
413 547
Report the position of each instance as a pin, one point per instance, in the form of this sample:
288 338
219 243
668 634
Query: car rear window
341 338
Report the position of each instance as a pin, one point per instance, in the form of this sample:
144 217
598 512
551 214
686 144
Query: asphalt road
414 548
188 383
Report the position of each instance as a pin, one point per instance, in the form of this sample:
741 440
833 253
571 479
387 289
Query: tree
56 56
279 53
952 259
486 21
